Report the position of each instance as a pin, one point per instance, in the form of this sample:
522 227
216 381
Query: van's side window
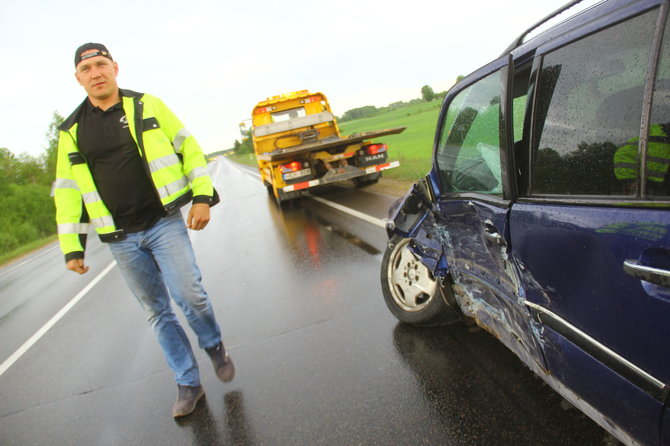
468 154
589 104
658 148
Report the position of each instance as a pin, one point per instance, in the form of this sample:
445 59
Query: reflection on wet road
319 358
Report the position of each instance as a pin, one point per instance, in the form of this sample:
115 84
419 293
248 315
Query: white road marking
42 331
353 212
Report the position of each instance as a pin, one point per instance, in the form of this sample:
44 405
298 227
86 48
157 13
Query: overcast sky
212 61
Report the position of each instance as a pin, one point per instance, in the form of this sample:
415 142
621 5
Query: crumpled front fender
413 217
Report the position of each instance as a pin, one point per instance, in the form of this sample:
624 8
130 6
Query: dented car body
537 223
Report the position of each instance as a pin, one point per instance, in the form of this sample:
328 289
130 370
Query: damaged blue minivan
545 217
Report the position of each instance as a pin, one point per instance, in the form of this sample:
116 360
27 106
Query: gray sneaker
187 399
223 365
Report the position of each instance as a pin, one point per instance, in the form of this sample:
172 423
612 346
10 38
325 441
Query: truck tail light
296 171
374 149
261 110
292 167
310 99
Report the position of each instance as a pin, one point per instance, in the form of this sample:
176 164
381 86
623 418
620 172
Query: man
126 165
626 166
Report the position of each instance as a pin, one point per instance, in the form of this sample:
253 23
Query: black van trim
605 201
642 379
519 40
650 83
493 200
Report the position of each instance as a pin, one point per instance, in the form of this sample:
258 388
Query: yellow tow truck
298 146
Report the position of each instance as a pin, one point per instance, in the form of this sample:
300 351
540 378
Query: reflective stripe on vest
659 159
72 228
91 197
172 188
62 183
632 166
197 172
657 166
162 162
179 139
625 161
101 222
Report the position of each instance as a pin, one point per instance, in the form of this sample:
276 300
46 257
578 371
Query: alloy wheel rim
411 284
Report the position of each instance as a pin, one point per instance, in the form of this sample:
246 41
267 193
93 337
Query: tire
275 195
286 199
278 196
368 179
279 199
410 291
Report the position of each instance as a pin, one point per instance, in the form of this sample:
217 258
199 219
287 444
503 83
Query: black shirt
117 168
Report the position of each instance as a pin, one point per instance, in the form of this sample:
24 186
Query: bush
8 242
25 233
29 215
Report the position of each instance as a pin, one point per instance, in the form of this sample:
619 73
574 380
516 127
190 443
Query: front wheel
410 291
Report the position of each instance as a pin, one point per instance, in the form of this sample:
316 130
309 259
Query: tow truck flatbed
326 143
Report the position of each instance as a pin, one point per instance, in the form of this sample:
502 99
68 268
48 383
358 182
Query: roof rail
519 40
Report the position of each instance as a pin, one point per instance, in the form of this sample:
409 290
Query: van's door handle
647 273
491 233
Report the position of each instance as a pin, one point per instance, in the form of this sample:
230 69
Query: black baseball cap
89 50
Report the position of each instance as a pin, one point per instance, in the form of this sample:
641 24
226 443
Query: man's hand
77 265
198 216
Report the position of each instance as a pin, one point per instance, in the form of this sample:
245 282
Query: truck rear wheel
279 199
368 179
285 199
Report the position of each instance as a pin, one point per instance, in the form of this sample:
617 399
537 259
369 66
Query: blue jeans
159 263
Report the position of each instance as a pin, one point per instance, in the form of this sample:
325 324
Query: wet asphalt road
320 360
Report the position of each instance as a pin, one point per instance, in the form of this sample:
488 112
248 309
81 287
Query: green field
413 147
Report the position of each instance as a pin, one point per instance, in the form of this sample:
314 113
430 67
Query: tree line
368 111
28 212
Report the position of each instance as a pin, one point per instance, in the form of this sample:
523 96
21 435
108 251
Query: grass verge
25 250
413 147
248 159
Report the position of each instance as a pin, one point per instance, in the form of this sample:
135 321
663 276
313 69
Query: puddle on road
292 219
341 232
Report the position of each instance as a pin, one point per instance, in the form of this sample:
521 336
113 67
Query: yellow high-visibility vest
626 165
176 164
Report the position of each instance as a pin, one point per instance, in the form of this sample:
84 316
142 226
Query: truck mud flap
334 176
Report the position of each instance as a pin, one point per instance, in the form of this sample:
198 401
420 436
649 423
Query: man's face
98 77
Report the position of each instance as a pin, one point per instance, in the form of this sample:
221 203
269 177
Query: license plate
296 174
